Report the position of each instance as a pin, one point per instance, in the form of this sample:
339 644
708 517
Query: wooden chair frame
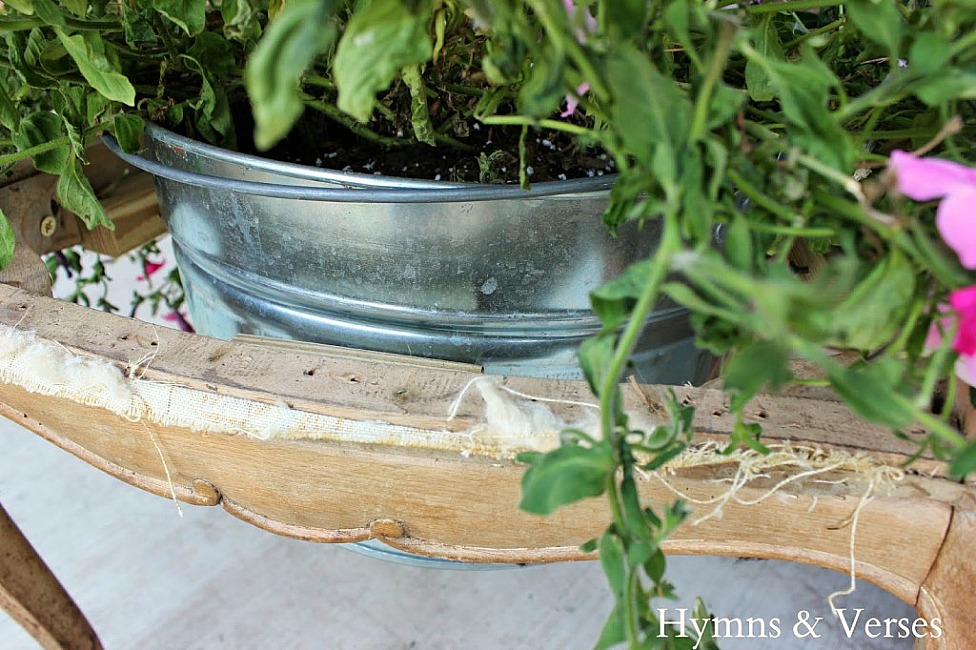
449 499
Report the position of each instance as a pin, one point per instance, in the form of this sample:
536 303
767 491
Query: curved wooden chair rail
456 501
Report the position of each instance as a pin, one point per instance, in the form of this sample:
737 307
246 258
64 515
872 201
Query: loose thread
865 499
23 316
169 477
456 404
133 367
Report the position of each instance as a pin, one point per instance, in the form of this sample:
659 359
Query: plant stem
715 68
318 80
786 7
17 156
941 429
631 600
848 183
795 231
814 32
963 44
555 125
443 138
756 195
609 391
23 24
888 92
463 90
350 123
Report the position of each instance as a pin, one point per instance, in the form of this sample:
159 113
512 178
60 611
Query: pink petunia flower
582 33
151 267
180 320
572 101
589 22
924 179
963 303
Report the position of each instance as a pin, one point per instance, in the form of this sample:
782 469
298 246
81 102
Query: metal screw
48 225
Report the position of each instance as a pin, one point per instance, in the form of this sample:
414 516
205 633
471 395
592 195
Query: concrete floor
149 579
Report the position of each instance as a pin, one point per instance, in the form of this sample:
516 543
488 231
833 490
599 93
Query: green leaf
212 118
88 51
48 11
873 312
128 131
379 40
9 113
707 640
217 52
738 244
746 435
640 552
655 565
139 32
594 356
75 193
929 53
613 301
190 15
698 208
872 391
420 117
631 508
663 457
765 38
726 103
651 115
803 87
544 89
39 129
879 21
299 33
564 475
612 561
627 17
241 21
24 51
77 7
25 7
758 364
965 462
614 631
945 85
7 241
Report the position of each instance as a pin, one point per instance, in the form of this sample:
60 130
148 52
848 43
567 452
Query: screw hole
310 372
55 207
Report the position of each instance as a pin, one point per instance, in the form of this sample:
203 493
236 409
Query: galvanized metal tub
486 274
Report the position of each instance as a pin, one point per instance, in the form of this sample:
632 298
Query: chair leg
32 595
